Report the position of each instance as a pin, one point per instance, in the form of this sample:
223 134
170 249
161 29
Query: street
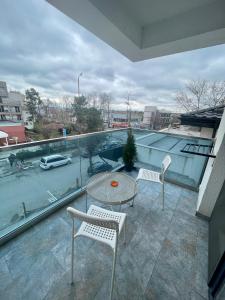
31 186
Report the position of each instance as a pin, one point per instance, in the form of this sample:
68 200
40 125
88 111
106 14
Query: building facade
158 119
122 118
10 104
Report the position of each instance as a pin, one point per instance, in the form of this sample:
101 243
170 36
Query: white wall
214 175
206 132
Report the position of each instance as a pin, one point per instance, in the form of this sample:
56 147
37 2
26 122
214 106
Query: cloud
42 48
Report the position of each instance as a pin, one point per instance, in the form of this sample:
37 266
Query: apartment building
121 118
158 119
150 115
10 104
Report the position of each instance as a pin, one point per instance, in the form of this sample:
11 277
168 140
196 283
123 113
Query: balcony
166 253
165 256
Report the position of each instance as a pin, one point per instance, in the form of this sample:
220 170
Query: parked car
85 153
52 161
98 167
111 145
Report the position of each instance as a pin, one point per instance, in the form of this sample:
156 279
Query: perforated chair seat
149 175
101 234
101 225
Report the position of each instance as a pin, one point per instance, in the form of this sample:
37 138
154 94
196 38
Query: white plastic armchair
101 225
149 175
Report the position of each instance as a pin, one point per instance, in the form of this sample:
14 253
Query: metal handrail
49 141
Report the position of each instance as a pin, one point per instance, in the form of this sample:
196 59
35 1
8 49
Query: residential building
10 104
158 119
120 118
149 118
164 119
3 138
15 131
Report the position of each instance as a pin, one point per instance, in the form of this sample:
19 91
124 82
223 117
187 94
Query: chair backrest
107 223
166 163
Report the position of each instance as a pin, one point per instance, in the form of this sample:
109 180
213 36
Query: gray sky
42 48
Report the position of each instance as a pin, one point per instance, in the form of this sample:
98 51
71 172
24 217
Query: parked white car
52 161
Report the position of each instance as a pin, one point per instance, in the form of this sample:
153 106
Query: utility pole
78 84
128 109
108 112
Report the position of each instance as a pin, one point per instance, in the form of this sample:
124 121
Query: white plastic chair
156 176
101 225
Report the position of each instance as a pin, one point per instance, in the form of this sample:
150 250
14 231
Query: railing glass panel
186 169
28 192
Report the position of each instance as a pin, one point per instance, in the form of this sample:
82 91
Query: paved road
31 186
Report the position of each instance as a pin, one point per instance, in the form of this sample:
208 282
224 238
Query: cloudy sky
42 48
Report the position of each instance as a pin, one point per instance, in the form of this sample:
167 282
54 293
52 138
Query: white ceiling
149 11
142 29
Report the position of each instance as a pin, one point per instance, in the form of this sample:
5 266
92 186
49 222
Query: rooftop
10 123
208 117
165 256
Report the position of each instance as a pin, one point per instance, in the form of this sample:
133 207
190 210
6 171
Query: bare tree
215 93
66 109
92 99
200 94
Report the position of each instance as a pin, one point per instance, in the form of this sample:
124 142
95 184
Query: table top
99 187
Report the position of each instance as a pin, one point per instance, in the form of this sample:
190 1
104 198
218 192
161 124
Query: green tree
88 119
130 151
94 120
94 123
33 103
80 112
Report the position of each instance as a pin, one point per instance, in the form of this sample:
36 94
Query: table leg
86 202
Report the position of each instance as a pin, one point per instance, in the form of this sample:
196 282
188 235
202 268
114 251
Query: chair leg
163 196
86 202
113 271
124 230
72 255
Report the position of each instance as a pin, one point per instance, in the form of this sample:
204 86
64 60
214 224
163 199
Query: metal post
72 253
81 181
86 202
113 269
124 238
78 84
24 210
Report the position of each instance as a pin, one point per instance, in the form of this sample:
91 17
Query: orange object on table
114 183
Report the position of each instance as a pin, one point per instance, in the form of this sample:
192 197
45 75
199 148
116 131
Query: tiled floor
165 256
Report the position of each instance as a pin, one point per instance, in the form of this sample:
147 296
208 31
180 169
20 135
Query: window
19 117
1 108
3 117
0 99
17 108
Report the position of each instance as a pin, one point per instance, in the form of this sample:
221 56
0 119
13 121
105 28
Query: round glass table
111 188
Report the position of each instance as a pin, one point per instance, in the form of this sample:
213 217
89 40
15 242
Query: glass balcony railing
186 169
29 192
